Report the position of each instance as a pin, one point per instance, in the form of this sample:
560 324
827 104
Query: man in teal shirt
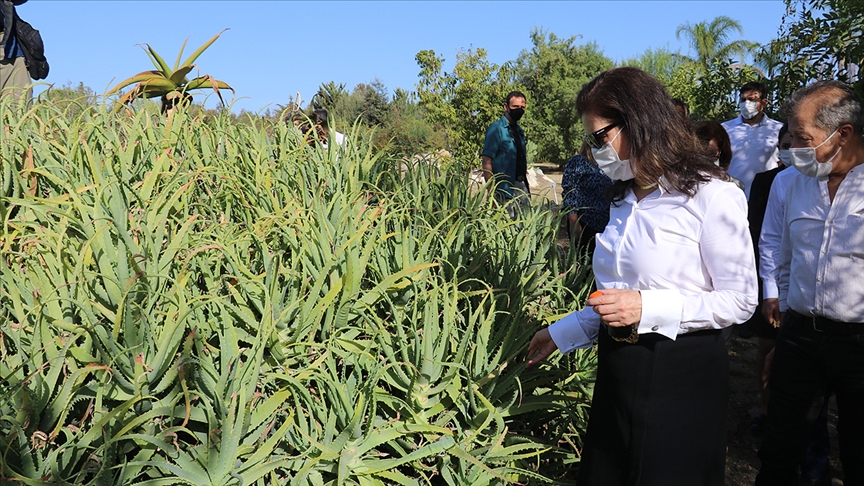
503 156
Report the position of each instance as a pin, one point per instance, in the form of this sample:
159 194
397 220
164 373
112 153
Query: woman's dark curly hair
708 130
659 145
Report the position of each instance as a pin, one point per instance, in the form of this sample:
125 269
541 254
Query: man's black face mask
516 113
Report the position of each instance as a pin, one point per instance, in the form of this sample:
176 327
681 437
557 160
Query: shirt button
655 328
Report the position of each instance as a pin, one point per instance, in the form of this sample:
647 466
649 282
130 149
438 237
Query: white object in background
537 179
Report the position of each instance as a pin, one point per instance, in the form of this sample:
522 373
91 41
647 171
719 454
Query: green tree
660 63
708 81
710 94
711 40
768 59
553 72
73 101
821 39
465 102
375 100
408 129
367 103
328 95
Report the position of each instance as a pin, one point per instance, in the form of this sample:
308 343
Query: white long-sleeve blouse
691 258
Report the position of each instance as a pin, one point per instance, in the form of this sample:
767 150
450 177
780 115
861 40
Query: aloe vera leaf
191 59
444 444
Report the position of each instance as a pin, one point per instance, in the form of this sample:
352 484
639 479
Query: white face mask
804 159
784 157
608 161
749 109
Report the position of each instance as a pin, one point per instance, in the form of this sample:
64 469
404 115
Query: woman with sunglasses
674 266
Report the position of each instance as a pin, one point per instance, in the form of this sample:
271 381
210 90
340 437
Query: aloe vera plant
171 84
195 302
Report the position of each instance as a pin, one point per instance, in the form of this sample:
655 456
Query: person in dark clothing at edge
14 78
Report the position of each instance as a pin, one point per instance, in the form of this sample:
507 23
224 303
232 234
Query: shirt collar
761 123
630 197
507 122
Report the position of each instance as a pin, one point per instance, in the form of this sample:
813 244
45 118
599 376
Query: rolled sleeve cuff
569 333
769 289
661 312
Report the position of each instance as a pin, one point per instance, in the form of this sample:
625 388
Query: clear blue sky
277 48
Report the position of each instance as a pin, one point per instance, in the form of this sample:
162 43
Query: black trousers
807 364
658 416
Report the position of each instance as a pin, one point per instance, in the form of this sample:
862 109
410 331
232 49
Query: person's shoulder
581 165
787 174
772 123
715 187
731 123
576 165
577 160
794 182
495 126
767 175
498 122
796 179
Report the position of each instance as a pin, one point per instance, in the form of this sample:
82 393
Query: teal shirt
501 148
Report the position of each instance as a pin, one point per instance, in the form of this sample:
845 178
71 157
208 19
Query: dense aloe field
190 301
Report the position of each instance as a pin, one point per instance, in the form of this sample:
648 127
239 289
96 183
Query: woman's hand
617 307
541 346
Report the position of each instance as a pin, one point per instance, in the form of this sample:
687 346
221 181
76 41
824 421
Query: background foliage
820 39
465 102
553 72
450 111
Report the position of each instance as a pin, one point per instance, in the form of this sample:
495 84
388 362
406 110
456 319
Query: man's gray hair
839 105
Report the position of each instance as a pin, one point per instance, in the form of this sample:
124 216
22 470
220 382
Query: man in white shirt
820 346
753 136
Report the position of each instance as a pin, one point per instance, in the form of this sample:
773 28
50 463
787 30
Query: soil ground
742 463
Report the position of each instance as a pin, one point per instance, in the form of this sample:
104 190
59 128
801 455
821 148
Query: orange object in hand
595 294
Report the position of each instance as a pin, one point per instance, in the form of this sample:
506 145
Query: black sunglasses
595 139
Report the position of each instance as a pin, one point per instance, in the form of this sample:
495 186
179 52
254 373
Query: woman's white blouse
691 258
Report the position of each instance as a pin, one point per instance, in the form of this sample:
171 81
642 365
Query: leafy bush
200 302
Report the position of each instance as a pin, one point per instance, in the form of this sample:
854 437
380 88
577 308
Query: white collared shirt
754 149
821 264
691 259
772 232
